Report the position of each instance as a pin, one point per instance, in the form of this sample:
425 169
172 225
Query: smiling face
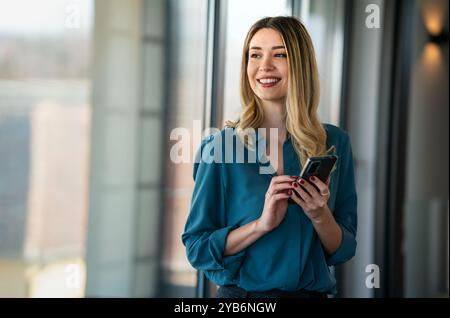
267 68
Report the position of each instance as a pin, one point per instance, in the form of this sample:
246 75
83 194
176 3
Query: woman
242 231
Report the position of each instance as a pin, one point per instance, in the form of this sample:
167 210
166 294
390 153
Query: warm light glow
434 14
433 24
432 54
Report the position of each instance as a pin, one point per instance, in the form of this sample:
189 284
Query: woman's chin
271 97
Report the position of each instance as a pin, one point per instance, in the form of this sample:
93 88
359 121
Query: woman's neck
274 118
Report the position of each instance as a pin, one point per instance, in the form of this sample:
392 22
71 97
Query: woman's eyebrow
273 47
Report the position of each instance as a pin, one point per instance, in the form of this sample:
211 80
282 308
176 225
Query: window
187 62
44 142
325 23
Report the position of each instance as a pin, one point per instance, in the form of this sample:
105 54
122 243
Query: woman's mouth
268 82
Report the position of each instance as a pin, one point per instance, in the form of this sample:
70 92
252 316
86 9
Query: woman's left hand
313 202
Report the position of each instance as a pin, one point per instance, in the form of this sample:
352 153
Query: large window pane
44 142
324 20
187 62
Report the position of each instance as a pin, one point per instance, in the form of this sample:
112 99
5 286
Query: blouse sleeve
206 230
345 211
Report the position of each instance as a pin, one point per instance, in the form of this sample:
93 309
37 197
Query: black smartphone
319 167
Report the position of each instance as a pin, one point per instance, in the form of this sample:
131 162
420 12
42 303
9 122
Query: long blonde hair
302 123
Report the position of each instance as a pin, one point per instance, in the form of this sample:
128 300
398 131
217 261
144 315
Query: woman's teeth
268 80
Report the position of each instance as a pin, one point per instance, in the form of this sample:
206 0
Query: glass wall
187 71
324 20
44 142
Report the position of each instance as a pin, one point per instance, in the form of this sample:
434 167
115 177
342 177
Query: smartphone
319 167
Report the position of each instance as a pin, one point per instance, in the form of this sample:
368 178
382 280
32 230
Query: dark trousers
237 292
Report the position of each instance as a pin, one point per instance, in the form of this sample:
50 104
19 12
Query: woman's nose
265 68
266 65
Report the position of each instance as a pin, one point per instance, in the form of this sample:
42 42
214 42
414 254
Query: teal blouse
228 194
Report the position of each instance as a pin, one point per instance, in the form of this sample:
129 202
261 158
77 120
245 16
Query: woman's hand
313 202
276 203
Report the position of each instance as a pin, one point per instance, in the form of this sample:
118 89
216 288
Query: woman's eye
254 56
281 55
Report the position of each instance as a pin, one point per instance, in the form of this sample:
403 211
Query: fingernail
312 178
301 181
295 184
289 192
293 177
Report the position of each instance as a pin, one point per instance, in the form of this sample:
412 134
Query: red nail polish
301 181
295 184
312 178
289 192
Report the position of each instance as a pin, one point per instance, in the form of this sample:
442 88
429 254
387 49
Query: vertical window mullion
214 87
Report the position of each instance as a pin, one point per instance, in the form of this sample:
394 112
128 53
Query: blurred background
92 206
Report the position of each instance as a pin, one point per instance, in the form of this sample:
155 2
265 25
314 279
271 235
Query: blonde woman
242 231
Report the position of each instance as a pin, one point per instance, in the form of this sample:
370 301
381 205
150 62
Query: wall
426 206
362 123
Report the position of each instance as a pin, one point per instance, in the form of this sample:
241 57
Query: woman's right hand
276 203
